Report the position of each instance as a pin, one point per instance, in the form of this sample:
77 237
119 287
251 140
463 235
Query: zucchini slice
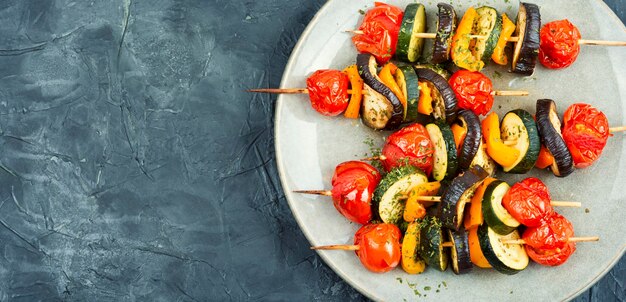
409 47
549 127
445 102
444 158
495 215
431 248
457 195
446 24
412 263
508 259
390 195
520 126
381 107
407 80
487 24
526 48
468 149
460 254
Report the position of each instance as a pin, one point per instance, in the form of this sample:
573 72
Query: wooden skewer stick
572 239
617 129
509 92
555 203
343 247
315 192
380 157
510 39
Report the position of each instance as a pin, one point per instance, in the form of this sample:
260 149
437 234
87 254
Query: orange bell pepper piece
425 103
356 83
415 209
476 254
545 158
386 76
497 150
474 217
458 132
460 49
508 27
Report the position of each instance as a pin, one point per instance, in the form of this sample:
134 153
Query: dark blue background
135 167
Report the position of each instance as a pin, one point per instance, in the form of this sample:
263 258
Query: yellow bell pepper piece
386 76
508 27
411 261
461 43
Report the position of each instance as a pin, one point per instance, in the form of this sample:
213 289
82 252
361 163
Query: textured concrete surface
135 167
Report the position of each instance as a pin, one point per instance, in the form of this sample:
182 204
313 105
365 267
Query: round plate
309 146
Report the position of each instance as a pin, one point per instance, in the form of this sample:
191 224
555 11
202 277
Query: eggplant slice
526 48
460 254
445 105
458 194
446 24
469 120
549 127
381 108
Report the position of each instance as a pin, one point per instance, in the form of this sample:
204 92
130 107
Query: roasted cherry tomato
328 91
528 201
380 28
353 184
553 233
558 47
410 145
551 257
473 91
585 131
379 246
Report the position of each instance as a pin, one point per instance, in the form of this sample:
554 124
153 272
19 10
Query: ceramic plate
309 146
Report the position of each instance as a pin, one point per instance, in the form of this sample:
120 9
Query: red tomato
553 233
409 145
585 131
353 184
380 28
528 201
558 46
379 246
473 91
328 91
551 257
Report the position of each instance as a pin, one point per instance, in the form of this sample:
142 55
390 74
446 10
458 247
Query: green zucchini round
488 23
388 201
409 47
445 162
495 215
508 259
431 247
519 125
407 80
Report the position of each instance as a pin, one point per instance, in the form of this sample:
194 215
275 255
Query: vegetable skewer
508 40
305 91
571 239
